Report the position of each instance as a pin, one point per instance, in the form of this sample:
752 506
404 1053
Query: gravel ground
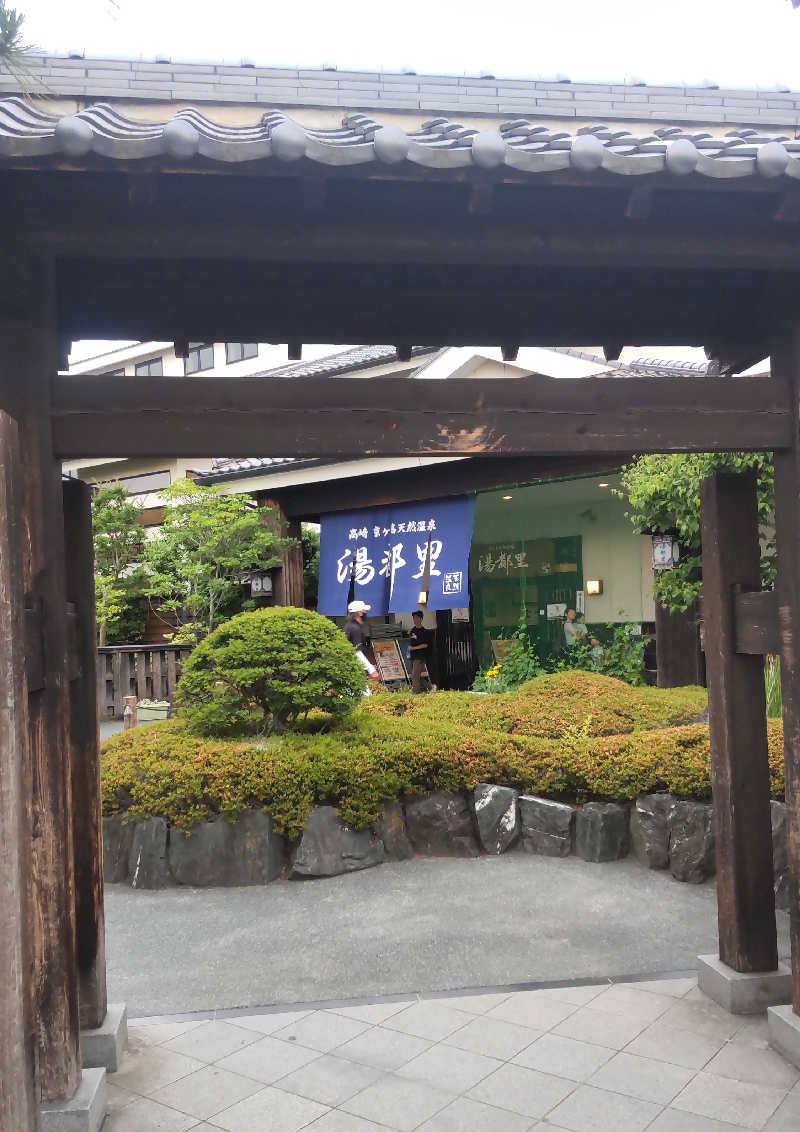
420 925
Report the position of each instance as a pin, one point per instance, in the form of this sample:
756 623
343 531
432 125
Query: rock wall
661 831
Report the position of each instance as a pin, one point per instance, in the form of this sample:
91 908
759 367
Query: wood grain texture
679 658
29 348
87 816
98 416
738 729
18 1100
786 363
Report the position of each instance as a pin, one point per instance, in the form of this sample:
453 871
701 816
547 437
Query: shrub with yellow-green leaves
552 737
549 705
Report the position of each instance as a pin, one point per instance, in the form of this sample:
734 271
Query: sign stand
390 664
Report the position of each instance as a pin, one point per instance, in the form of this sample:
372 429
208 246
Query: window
200 356
115 373
140 485
240 351
153 368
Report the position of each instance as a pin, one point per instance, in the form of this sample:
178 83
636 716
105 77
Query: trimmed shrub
164 770
549 706
394 747
266 669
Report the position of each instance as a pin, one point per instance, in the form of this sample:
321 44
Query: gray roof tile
522 143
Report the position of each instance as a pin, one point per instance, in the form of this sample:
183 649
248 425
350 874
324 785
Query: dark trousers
420 681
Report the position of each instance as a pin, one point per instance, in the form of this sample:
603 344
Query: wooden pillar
28 364
679 658
786 367
289 588
738 729
290 578
19 1109
87 815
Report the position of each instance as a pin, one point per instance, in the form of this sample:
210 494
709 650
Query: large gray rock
691 845
780 855
548 827
221 852
147 860
650 822
496 816
391 829
441 825
602 831
117 841
328 848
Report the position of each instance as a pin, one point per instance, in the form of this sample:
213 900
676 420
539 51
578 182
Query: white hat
358 607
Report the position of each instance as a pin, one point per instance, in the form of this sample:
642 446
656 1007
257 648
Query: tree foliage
310 539
12 48
200 559
663 493
14 51
268 668
119 577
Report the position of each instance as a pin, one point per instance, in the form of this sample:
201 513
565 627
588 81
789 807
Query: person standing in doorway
357 634
572 629
421 652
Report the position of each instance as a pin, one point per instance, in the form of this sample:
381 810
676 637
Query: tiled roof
227 467
543 96
667 366
521 145
346 361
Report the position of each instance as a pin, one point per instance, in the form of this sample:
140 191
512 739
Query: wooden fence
149 672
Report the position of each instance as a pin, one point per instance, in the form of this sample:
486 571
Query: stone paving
606 1057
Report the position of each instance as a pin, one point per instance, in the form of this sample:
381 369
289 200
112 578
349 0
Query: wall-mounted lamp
604 485
423 597
666 552
593 586
507 497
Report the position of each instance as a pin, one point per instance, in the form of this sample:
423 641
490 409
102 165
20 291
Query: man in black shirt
420 649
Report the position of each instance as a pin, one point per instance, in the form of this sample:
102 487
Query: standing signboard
389 662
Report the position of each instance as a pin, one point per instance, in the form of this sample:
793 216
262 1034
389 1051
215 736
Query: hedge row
397 746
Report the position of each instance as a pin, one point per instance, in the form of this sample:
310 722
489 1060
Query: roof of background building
523 144
662 366
346 361
229 468
545 96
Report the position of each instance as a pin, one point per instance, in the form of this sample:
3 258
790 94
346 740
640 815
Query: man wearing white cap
356 632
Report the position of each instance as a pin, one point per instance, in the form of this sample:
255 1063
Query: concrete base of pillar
85 1112
102 1048
784 1032
743 993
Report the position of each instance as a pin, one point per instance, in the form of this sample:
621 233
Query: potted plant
150 711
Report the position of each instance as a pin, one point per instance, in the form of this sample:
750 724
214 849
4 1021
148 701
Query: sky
738 43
